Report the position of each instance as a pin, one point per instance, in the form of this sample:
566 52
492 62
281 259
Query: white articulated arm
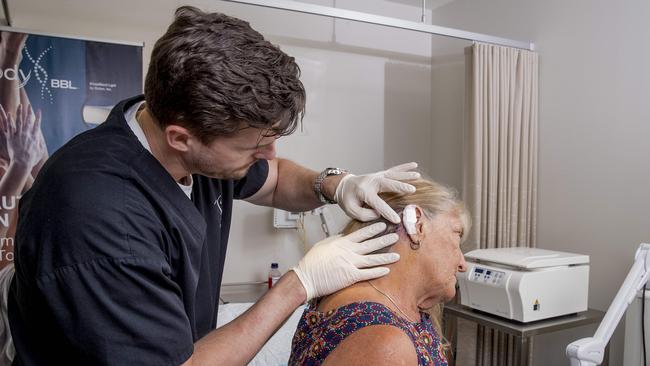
590 351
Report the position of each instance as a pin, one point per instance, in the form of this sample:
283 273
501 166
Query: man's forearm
237 342
295 187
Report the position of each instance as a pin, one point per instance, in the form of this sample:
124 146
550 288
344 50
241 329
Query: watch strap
318 183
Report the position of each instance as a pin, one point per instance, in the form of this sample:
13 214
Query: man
122 239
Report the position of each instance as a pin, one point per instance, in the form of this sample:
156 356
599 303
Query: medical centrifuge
525 284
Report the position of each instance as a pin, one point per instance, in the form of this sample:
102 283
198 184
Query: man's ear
178 137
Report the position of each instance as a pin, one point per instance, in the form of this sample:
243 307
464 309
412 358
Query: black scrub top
114 264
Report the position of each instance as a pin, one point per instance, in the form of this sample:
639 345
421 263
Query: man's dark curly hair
213 74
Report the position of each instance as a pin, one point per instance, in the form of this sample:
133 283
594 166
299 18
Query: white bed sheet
277 350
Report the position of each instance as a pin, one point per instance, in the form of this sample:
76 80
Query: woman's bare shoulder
356 293
375 345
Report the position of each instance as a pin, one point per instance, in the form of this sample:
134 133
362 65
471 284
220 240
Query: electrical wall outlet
284 219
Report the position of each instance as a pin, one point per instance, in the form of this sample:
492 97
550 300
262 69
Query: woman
382 322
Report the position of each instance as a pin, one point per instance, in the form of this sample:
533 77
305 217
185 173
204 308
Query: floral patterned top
319 333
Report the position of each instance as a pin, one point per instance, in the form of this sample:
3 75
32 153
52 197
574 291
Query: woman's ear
419 225
413 224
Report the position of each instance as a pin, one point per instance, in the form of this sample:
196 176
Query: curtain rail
327 11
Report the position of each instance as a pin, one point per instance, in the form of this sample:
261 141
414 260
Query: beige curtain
500 172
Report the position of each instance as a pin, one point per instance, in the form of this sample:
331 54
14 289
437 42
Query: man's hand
356 190
340 261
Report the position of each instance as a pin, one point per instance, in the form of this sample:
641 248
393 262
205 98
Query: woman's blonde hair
434 199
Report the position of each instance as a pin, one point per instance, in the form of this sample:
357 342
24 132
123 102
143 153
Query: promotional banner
51 89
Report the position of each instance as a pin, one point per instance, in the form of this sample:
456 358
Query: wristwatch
319 181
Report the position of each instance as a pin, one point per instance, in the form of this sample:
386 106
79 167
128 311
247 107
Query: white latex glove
340 261
355 190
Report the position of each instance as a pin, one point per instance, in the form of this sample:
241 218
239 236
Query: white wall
368 93
594 127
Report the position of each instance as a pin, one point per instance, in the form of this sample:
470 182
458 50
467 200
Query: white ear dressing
409 219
